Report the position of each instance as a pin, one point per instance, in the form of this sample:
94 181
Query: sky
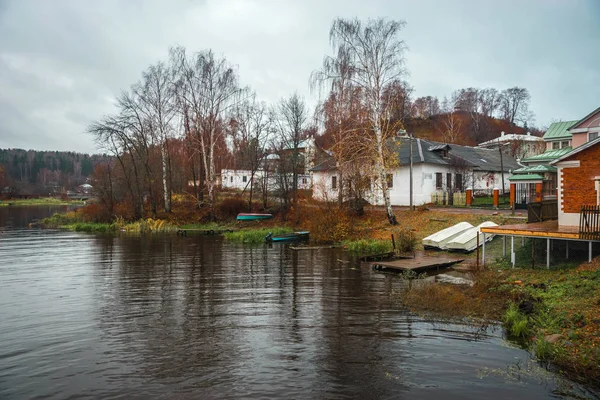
62 62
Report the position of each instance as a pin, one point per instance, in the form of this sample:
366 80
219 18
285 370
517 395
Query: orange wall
578 187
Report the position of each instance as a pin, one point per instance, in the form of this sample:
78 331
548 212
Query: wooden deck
547 229
421 262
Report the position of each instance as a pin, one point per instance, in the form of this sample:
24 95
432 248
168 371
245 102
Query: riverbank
42 201
554 314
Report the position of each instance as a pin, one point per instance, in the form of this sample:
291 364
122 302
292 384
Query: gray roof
430 152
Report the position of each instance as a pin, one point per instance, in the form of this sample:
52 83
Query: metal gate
523 194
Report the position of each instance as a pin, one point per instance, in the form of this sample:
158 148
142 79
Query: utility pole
501 165
410 140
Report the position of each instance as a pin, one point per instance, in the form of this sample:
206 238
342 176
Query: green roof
559 130
535 169
548 155
525 177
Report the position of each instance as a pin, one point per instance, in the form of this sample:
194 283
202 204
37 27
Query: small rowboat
252 216
288 237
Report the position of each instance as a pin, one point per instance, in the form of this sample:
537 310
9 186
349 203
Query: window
593 136
334 182
244 178
564 144
449 182
304 181
438 180
390 180
231 179
458 182
555 145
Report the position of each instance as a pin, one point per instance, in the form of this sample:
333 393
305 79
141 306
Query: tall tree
376 56
250 134
514 105
336 75
290 116
157 98
210 89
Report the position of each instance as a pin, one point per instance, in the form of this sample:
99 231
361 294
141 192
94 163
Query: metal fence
589 222
485 198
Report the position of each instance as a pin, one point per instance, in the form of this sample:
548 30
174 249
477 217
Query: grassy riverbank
556 314
42 201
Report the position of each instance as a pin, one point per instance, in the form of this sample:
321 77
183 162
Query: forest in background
44 173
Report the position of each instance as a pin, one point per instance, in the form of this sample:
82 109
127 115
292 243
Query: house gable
579 170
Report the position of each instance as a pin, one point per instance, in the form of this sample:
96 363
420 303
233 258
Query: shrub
232 206
406 240
328 224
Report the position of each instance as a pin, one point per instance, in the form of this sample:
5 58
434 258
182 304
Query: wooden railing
589 222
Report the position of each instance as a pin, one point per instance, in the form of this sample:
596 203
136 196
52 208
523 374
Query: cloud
62 62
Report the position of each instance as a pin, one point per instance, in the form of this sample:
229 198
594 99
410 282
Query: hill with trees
43 173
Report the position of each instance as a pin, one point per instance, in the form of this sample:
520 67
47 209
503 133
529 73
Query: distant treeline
44 172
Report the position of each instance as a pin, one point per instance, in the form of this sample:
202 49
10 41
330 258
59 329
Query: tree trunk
163 153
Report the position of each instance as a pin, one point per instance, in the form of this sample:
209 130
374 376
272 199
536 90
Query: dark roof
327 164
427 151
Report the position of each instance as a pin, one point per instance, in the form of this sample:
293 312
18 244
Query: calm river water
102 316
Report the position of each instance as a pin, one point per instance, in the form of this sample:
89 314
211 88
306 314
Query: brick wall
577 184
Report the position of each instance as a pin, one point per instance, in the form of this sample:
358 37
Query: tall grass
516 322
254 235
368 246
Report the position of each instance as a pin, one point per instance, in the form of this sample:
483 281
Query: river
162 316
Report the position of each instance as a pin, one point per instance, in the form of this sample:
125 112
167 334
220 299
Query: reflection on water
87 316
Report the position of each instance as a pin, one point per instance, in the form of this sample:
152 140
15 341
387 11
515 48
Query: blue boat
288 237
253 216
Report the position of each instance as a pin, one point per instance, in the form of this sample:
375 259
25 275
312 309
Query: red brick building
578 181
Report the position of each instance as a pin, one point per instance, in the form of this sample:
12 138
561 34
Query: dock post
504 246
567 249
483 252
548 253
477 256
512 251
590 252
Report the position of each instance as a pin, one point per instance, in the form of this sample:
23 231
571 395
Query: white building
518 146
437 168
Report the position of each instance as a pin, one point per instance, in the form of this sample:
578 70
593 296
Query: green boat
253 216
288 237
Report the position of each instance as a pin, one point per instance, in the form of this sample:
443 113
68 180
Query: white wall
424 185
234 179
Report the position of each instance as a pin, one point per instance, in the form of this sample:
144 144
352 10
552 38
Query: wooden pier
421 262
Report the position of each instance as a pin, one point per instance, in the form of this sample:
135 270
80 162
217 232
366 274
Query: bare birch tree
336 74
157 98
376 57
209 87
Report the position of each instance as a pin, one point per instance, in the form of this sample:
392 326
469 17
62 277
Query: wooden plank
419 263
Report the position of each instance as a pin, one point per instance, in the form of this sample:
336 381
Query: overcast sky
63 62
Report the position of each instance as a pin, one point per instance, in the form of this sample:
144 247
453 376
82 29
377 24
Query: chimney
528 133
502 133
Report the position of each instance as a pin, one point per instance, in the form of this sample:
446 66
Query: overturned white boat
440 239
467 241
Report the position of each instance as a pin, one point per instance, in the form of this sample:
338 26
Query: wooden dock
421 262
